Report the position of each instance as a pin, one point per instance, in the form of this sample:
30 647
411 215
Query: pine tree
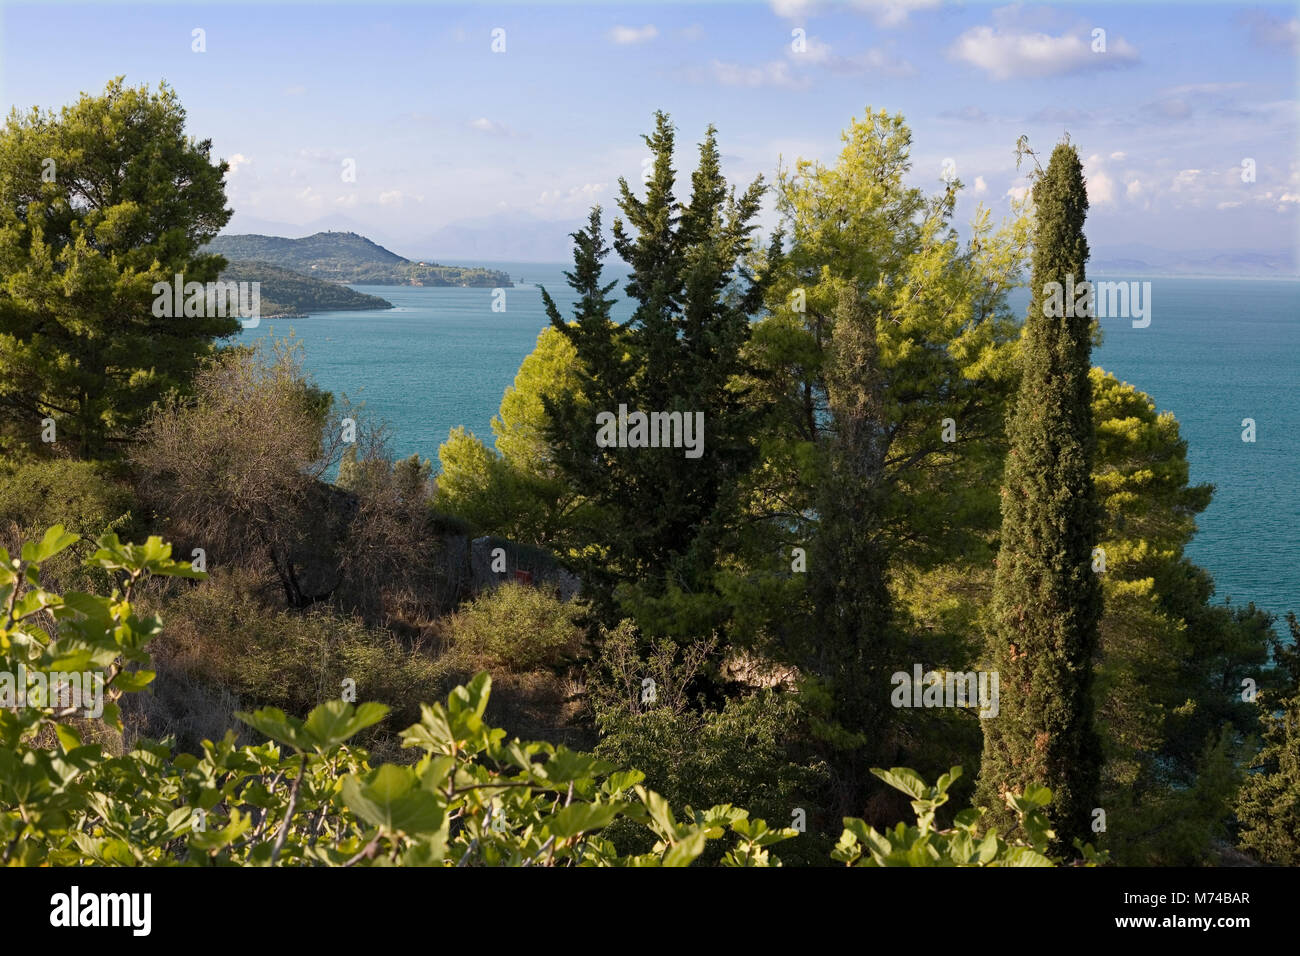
1047 597
1269 803
883 331
98 202
680 352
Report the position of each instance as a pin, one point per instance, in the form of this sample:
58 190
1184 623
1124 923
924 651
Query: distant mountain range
346 257
523 237
1134 259
503 237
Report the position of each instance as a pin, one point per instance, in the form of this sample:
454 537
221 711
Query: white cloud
773 73
793 9
626 36
1186 179
891 13
1101 188
1272 32
981 187
490 127
1195 89
390 198
792 73
237 160
886 13
1004 55
580 196
1118 156
873 60
1227 205
1017 192
1133 189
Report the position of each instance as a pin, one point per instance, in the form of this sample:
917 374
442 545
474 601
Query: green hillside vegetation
902 476
290 294
348 257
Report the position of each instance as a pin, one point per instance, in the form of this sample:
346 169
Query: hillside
285 293
348 257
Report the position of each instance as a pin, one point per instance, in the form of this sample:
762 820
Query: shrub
516 627
222 633
237 469
309 797
746 751
1269 803
964 843
82 496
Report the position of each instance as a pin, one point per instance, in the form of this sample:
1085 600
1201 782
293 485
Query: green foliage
1163 716
694 752
680 352
1268 807
518 492
285 293
85 497
128 201
882 329
1047 597
517 627
224 635
965 843
307 796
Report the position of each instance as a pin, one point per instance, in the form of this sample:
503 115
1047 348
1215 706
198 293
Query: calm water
1216 351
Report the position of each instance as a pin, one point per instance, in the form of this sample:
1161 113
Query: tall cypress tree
1047 598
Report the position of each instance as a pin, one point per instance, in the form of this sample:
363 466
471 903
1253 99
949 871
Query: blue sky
446 133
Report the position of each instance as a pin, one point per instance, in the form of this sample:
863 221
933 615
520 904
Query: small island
285 294
345 257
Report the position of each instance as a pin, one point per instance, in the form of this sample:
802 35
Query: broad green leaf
685 851
581 817
392 801
55 540
333 722
901 778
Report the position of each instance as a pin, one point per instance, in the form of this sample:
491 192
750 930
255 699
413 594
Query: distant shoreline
1190 275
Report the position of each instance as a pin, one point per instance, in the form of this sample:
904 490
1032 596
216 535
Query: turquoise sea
1217 351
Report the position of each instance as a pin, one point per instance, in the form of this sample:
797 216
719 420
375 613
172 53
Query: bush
965 843
746 752
82 496
307 796
237 469
1268 806
221 632
516 627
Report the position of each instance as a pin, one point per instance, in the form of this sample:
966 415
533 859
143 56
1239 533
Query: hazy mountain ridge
347 257
1147 260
